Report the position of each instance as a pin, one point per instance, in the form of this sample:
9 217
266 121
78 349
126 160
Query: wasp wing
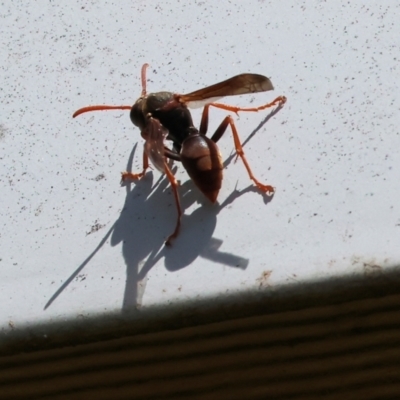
239 84
154 134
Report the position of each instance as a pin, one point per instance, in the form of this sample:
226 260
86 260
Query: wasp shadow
148 217
146 220
197 238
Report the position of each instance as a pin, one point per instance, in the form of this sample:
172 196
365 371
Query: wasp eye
137 116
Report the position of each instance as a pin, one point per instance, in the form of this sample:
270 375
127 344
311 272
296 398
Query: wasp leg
173 155
174 185
281 100
204 120
239 149
129 175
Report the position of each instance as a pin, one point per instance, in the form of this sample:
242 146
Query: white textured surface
333 151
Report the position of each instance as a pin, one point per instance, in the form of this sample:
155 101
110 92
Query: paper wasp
165 115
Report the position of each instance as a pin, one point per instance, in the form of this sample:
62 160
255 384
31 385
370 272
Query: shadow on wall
149 216
146 220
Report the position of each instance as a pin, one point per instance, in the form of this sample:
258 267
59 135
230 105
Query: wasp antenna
99 108
144 67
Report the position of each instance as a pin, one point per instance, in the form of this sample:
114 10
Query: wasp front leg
129 175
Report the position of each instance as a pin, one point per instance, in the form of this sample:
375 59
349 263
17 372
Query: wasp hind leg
280 101
228 121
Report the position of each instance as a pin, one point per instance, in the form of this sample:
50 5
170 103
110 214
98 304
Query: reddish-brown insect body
165 115
202 160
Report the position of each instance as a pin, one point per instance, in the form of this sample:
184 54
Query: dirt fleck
96 227
99 177
3 131
372 270
262 281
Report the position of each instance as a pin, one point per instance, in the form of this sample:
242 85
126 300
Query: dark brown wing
154 134
239 84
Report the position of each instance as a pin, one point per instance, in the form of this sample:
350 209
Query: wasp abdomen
203 162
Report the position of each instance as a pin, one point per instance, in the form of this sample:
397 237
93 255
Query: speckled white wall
73 242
